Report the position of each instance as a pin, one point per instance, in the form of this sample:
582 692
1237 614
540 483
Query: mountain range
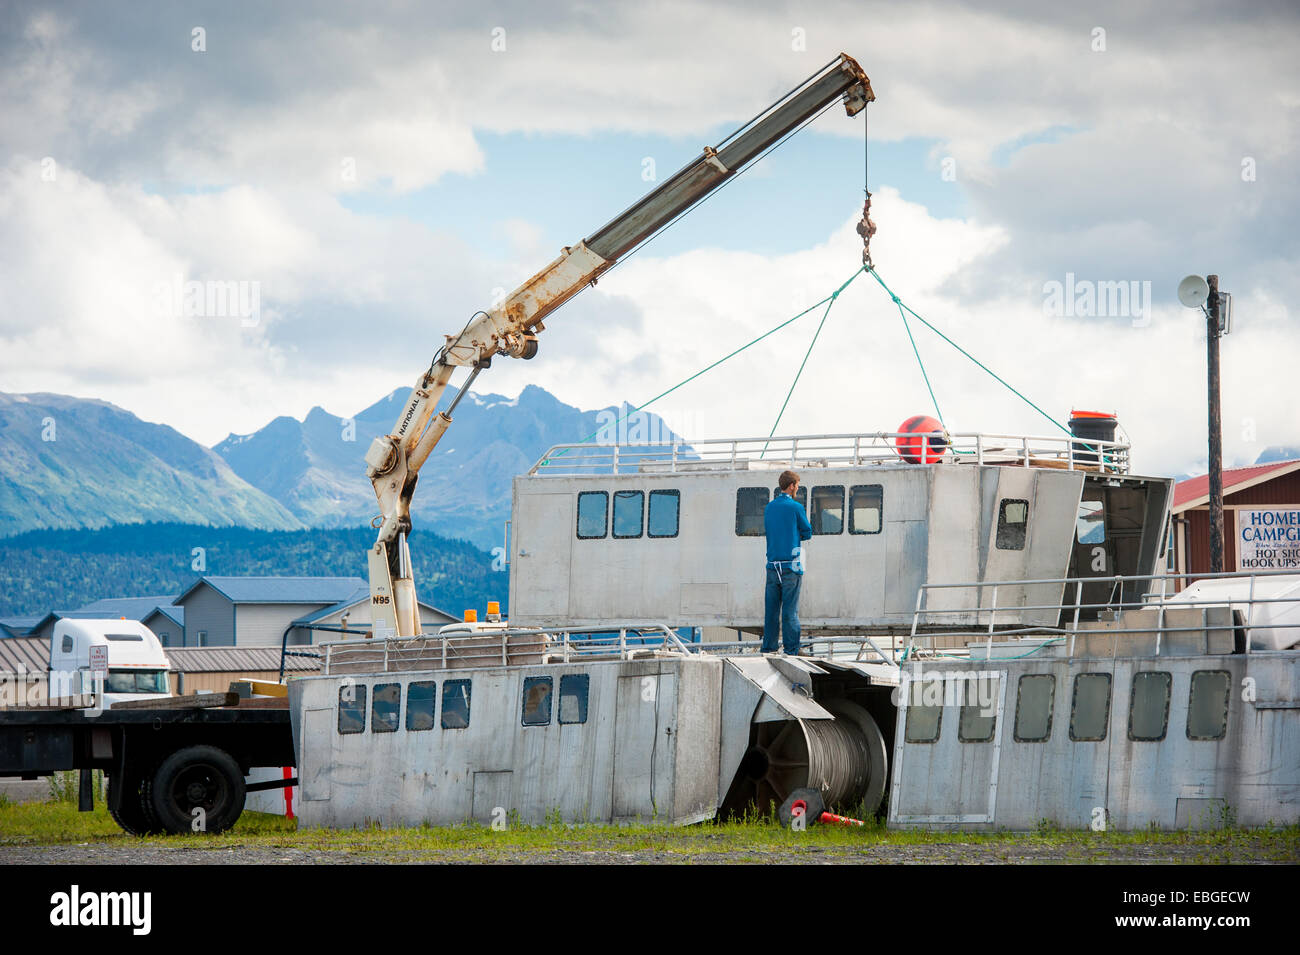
73 462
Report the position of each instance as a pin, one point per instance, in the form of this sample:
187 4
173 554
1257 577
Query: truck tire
135 811
198 777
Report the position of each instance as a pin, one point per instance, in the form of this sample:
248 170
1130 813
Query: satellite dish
1193 291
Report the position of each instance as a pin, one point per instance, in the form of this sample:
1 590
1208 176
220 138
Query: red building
1261 519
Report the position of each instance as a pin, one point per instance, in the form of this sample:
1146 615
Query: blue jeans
782 611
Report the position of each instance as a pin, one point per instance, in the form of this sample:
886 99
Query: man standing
787 528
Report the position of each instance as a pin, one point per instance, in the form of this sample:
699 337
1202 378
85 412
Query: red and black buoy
926 440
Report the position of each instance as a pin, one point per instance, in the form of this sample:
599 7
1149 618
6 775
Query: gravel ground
928 854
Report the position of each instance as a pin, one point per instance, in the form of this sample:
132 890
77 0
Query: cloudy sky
378 172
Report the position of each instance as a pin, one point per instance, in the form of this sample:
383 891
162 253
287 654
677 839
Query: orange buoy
929 444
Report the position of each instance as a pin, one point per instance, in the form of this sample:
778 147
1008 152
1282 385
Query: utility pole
1216 427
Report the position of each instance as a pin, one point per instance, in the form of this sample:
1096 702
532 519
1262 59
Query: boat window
1207 706
419 705
573 697
750 502
352 709
628 509
455 704
537 701
1090 526
1013 518
827 515
1148 713
801 498
593 508
1090 707
977 722
866 501
923 722
386 706
665 507
1035 693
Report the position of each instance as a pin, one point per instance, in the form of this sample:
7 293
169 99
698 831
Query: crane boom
394 460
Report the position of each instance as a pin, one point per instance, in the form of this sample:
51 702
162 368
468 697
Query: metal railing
1156 593
834 450
534 646
516 646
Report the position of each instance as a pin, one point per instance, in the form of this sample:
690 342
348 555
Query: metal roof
24 653
33 655
280 590
175 614
133 608
17 626
1196 491
237 660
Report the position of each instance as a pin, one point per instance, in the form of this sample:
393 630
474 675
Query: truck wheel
135 812
198 778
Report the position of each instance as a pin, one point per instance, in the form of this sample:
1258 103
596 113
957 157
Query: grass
58 823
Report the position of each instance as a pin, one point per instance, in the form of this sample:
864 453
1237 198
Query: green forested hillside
62 570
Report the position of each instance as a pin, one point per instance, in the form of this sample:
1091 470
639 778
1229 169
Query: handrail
928 621
830 450
536 646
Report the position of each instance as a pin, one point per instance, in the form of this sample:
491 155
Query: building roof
17 626
133 608
361 596
280 590
33 655
24 653
237 660
1195 491
175 614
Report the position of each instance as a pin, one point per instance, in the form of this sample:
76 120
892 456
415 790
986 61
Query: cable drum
838 762
843 758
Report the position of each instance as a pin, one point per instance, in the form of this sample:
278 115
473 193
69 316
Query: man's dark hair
786 479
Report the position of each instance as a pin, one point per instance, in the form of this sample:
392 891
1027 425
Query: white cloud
229 165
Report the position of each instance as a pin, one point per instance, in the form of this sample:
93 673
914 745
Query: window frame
566 680
767 499
358 700
814 514
1099 523
975 707
880 508
531 681
627 494
397 713
1227 704
676 495
1074 706
1005 525
469 693
433 706
604 524
938 725
1051 708
1145 677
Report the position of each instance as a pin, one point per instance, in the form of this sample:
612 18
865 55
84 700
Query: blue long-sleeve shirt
786 525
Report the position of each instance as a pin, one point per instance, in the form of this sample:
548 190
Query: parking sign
99 662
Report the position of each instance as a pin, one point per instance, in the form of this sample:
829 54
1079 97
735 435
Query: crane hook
866 229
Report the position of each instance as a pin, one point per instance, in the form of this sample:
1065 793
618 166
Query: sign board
1268 538
99 661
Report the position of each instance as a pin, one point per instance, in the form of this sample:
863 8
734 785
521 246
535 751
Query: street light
1197 292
